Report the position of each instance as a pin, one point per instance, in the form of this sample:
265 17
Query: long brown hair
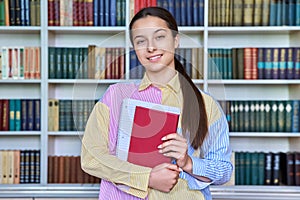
194 123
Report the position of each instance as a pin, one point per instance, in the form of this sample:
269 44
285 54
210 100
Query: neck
161 78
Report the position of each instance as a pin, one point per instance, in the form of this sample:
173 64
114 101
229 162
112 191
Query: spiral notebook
141 127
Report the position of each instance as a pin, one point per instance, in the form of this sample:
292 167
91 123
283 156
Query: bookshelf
68 142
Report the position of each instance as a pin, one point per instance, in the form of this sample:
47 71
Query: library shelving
68 143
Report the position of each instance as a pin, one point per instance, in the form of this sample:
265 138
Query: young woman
200 149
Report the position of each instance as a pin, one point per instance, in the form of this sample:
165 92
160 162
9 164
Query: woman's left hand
175 146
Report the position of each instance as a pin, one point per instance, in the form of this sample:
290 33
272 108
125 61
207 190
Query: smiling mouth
155 57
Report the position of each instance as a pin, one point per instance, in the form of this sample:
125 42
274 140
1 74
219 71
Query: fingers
173 136
174 146
173 167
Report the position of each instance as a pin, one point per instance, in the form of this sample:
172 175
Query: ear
176 41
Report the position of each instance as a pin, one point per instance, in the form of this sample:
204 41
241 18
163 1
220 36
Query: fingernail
159 146
163 138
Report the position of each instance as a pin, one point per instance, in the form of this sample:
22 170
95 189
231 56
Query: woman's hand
176 147
164 177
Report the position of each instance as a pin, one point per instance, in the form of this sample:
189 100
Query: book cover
142 125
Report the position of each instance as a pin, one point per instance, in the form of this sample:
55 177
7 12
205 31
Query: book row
67 169
92 62
20 13
20 63
68 115
262 116
191 58
20 115
186 12
261 168
86 12
96 62
254 13
19 166
254 63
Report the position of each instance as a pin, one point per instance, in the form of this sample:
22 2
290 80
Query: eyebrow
161 29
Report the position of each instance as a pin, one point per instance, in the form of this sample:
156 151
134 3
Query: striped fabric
122 180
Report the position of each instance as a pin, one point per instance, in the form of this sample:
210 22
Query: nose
151 47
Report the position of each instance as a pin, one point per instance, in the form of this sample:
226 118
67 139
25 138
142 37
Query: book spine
18 114
248 12
274 116
282 63
297 168
24 115
50 12
70 64
2 13
265 12
296 58
51 64
21 59
273 13
30 116
64 62
281 116
295 116
12 114
275 66
257 12
16 160
37 114
288 116
268 119
276 169
268 168
297 17
290 64
89 12
261 63
268 63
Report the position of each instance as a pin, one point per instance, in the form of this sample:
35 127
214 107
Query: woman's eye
140 42
160 37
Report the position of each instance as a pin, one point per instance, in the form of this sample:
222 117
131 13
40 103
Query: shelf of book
92 190
264 134
254 82
86 81
20 29
255 192
20 133
87 29
20 81
65 133
255 29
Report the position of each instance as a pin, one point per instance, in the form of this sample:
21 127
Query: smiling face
154 44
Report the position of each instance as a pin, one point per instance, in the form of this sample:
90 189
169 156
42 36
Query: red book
5 115
142 125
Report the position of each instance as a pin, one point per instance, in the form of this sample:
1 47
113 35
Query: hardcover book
141 127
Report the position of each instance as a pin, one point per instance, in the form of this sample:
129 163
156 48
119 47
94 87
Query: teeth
155 57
